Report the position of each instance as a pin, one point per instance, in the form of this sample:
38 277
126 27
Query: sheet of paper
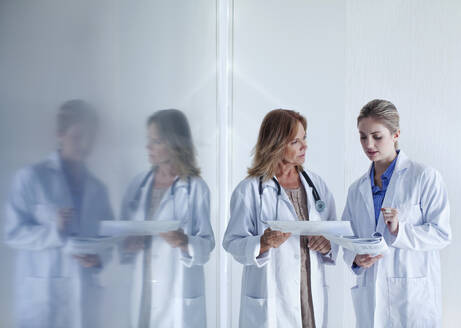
373 245
89 245
136 228
312 228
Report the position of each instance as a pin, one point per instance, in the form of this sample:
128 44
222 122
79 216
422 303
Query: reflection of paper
374 245
88 245
136 228
312 228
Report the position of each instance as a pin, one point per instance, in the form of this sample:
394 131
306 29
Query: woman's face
377 141
76 143
295 151
156 146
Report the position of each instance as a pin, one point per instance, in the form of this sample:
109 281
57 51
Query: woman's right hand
133 243
272 239
366 260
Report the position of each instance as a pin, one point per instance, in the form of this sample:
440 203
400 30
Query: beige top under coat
298 198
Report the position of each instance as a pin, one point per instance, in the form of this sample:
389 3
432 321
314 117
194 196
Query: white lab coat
178 294
270 295
53 290
403 288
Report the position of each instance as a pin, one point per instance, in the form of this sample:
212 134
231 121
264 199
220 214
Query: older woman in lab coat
168 278
283 283
51 202
408 204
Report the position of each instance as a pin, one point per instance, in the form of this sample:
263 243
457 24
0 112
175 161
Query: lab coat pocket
411 303
254 313
194 312
363 306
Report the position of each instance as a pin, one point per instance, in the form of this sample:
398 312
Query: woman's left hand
319 244
391 219
176 239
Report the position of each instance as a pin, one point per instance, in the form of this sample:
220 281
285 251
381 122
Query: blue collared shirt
380 193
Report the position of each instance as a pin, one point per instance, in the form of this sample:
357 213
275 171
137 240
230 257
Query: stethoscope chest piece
320 205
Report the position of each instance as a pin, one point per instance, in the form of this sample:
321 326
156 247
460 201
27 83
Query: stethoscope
319 204
134 203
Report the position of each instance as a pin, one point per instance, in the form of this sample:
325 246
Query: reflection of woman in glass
52 201
168 282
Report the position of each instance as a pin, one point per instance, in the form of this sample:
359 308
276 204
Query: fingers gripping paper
338 232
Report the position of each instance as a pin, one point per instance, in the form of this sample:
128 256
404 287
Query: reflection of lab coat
403 288
53 290
178 289
271 282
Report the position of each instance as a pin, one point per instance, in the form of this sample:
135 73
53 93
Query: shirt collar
386 176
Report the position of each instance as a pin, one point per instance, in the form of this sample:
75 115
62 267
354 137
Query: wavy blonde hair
278 128
174 129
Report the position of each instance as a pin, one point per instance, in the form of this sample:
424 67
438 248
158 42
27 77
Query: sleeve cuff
349 260
397 240
357 269
328 258
254 247
58 236
188 257
198 252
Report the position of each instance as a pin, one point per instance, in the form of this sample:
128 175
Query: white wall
327 59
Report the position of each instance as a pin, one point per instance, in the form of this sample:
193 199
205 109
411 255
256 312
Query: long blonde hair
278 128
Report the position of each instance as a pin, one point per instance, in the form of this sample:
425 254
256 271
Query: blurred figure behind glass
52 202
168 278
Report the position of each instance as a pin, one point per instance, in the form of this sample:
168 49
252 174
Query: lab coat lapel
314 215
268 203
63 198
141 212
177 197
286 200
89 224
365 191
389 200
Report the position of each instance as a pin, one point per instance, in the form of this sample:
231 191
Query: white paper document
89 245
374 245
313 228
136 228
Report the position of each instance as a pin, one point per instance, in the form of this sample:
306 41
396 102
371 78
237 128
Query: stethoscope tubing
135 202
319 203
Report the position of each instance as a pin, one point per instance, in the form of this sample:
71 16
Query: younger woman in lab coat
283 282
168 278
408 204
51 202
